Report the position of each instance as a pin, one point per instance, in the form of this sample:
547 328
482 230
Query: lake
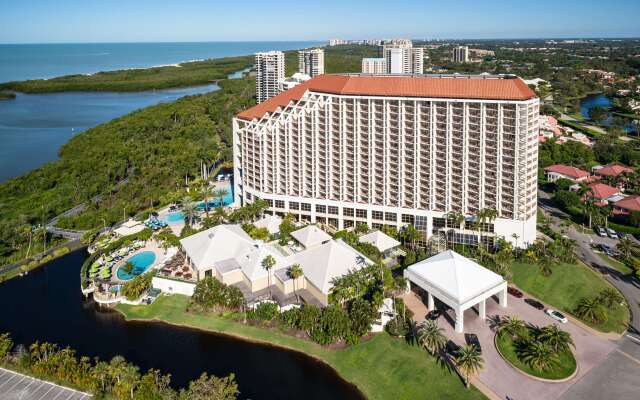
600 100
47 305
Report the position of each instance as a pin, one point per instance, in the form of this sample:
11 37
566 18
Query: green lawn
622 267
565 287
565 368
382 368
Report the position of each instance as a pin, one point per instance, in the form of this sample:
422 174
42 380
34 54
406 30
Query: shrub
211 293
291 318
133 289
266 311
332 325
397 326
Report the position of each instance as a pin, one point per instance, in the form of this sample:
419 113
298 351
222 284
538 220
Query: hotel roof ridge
474 87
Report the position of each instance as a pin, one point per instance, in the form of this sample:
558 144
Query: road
628 286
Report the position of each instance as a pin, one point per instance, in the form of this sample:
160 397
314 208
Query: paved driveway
14 386
500 377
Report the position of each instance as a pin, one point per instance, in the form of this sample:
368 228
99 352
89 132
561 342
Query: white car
602 232
612 234
557 315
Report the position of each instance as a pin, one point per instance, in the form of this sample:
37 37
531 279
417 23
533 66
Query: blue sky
41 21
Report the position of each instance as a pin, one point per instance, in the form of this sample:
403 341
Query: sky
73 21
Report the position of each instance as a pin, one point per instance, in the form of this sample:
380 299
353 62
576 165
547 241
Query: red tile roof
601 191
612 170
401 86
572 172
631 203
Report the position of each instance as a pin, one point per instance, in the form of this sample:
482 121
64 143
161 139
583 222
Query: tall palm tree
556 338
457 218
625 246
431 337
540 356
591 310
206 192
295 272
469 362
221 194
268 263
490 214
190 209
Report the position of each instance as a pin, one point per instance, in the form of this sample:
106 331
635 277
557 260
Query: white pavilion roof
271 222
310 236
458 277
380 240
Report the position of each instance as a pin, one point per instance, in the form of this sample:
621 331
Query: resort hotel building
397 58
460 54
269 72
341 150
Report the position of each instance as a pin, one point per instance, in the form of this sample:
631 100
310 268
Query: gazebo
458 282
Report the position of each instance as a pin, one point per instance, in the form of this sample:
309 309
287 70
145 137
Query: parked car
557 315
514 292
472 339
601 232
612 234
535 304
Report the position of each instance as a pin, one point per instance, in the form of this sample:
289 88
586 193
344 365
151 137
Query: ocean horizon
50 60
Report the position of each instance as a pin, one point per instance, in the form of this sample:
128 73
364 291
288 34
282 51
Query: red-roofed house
603 194
627 205
559 171
611 170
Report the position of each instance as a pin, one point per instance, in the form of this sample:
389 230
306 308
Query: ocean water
34 127
35 61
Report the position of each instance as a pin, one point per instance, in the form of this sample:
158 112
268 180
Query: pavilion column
502 297
482 307
430 305
459 320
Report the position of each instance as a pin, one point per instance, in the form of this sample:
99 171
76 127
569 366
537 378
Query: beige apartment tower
311 62
395 150
269 71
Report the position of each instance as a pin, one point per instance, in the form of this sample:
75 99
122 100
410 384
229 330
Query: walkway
15 386
499 376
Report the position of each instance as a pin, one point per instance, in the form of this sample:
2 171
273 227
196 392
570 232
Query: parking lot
14 386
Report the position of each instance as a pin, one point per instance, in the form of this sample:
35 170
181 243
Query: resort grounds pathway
15 386
504 381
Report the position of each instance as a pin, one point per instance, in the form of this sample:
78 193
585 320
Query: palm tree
206 193
190 209
540 356
469 361
295 272
411 235
431 337
513 326
625 246
490 214
268 263
221 194
545 268
556 338
610 297
591 310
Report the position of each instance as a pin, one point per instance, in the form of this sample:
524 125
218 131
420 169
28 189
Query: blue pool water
141 262
213 203
174 217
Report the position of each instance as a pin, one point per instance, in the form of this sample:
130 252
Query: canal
47 305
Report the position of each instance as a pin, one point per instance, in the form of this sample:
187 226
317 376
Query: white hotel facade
395 150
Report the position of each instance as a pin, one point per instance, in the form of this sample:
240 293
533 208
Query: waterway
46 305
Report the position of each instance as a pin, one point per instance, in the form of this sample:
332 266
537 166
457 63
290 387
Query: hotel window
377 215
347 223
376 226
249 196
361 213
294 205
408 218
305 206
269 202
321 209
347 212
390 216
279 203
332 210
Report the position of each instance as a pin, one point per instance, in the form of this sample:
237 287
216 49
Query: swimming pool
174 217
141 262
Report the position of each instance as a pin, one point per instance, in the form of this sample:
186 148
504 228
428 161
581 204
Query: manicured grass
621 267
566 365
382 368
565 287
